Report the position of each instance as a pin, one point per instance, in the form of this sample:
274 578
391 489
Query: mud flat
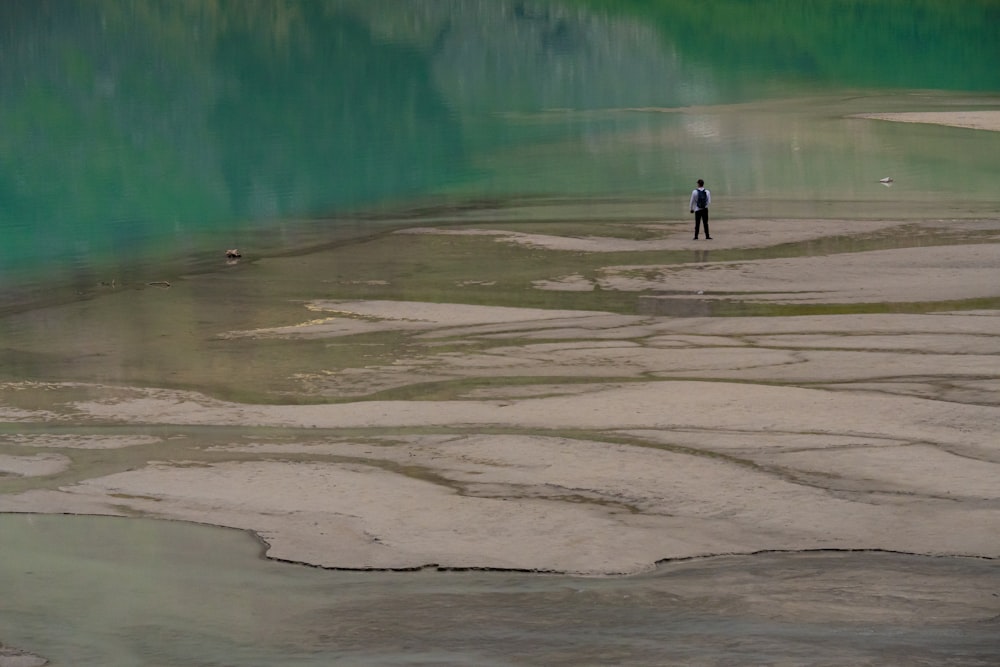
399 423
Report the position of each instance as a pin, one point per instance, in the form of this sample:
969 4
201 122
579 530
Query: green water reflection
918 44
134 131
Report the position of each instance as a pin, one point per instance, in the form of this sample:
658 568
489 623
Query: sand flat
936 273
987 119
571 439
576 504
740 233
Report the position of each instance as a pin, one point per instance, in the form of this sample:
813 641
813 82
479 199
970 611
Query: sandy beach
571 439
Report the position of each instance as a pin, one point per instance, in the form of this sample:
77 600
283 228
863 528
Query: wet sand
561 438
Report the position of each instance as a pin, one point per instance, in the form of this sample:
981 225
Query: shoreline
566 439
437 567
797 591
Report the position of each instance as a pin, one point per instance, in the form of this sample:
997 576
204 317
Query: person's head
701 183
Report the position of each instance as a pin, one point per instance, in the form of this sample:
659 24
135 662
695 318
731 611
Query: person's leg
697 221
705 221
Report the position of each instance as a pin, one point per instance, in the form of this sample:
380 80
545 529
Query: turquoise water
142 138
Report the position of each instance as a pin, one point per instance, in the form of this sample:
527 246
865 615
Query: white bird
885 181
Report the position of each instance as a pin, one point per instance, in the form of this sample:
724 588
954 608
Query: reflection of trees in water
529 56
327 118
98 130
924 44
146 120
152 120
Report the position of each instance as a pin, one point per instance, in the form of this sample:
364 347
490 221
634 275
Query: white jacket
694 198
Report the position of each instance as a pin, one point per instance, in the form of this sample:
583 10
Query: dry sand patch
733 233
666 404
986 119
33 466
907 469
902 342
347 318
936 273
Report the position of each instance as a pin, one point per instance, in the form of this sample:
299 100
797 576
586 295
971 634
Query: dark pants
701 217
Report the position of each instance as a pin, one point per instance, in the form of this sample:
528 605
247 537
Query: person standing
700 199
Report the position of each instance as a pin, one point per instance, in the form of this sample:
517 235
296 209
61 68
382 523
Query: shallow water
105 591
154 135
